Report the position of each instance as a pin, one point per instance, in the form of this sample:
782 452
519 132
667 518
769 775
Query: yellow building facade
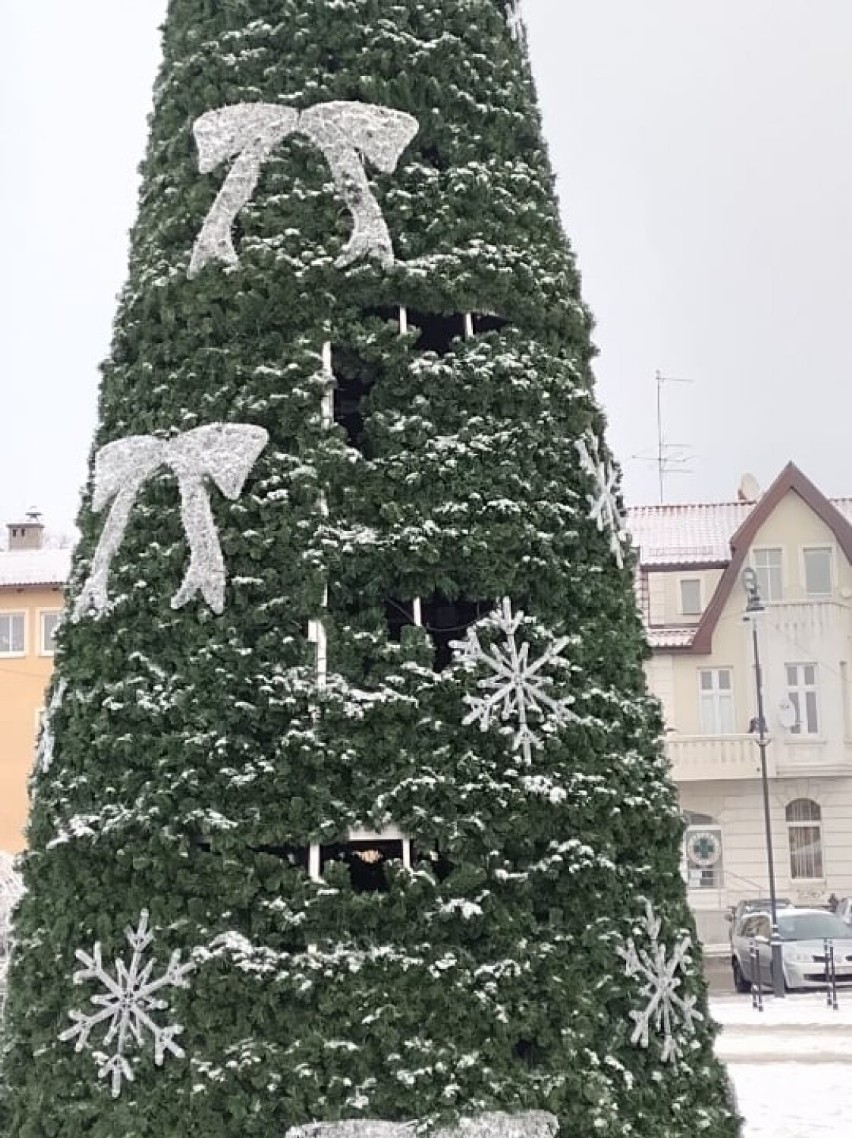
31 584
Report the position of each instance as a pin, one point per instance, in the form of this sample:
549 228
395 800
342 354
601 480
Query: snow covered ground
791 1064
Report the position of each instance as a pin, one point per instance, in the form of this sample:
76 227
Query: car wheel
740 982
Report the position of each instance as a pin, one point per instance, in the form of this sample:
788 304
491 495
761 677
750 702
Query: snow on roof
678 637
694 534
686 534
22 567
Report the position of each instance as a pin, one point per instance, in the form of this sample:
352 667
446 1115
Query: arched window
702 850
804 830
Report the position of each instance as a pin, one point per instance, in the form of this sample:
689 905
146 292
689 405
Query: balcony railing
697 758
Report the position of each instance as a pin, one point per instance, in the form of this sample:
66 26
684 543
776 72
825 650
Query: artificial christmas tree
350 807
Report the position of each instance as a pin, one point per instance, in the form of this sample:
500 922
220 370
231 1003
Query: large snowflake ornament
670 1014
127 1005
517 687
604 509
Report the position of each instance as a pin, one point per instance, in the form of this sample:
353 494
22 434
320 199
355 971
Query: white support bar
403 321
322 656
406 852
314 866
468 326
388 833
417 612
327 410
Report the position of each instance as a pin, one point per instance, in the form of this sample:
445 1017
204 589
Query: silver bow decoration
345 132
223 452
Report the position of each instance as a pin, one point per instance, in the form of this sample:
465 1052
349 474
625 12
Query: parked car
803 934
753 905
844 910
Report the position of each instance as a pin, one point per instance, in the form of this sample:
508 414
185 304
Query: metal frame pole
762 743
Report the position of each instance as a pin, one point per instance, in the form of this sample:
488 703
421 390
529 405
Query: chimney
28 534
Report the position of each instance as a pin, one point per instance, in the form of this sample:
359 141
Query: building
693 603
31 583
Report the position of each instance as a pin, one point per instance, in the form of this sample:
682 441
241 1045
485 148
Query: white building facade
702 669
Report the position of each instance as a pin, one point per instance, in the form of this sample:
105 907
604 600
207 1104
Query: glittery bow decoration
345 132
223 452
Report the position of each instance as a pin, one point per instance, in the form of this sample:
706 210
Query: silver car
803 934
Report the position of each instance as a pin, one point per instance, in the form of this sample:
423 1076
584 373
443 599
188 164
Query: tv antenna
669 458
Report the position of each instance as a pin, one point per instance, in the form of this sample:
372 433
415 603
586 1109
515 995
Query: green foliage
191 747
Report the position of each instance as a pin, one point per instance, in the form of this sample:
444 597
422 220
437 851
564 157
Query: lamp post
754 607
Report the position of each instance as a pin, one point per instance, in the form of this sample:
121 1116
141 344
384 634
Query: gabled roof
695 534
22 568
719 535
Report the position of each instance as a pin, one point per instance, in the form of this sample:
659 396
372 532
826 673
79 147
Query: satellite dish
787 715
748 489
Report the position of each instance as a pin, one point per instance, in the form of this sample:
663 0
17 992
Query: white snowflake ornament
127 1005
671 1015
603 503
517 687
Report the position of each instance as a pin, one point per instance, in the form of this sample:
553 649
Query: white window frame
766 593
9 615
832 576
798 694
42 613
717 697
798 825
689 581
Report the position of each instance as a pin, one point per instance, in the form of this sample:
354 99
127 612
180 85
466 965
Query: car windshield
762 905
811 926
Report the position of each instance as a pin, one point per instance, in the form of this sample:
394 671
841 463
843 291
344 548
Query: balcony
698 758
798 755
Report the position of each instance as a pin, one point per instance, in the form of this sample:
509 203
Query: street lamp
754 607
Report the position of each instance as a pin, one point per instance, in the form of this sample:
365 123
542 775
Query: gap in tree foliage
385 312
439 864
297 856
438 332
527 1051
354 378
484 322
399 615
432 155
447 620
366 860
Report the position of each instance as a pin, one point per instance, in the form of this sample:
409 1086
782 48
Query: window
802 693
804 830
817 571
690 596
48 624
716 701
767 565
11 634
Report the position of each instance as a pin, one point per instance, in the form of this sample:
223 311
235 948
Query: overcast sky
704 161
